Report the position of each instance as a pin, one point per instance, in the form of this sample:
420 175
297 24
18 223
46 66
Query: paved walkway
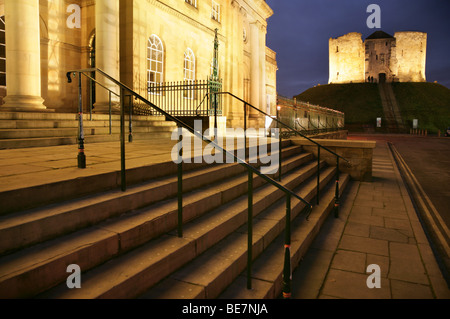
34 166
377 225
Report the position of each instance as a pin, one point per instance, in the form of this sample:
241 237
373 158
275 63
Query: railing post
123 183
180 182
318 173
110 114
130 123
336 194
215 115
287 275
81 156
279 142
250 229
90 99
279 156
245 131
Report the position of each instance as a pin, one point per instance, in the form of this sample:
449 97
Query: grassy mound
361 103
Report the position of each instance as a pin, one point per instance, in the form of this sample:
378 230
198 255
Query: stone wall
358 153
346 55
401 58
411 56
379 59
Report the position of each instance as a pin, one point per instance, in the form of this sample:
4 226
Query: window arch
155 58
189 65
189 71
2 52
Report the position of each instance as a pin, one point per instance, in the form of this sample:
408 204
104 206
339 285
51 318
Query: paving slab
381 228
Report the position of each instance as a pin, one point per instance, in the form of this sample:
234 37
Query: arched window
2 52
189 65
155 58
189 71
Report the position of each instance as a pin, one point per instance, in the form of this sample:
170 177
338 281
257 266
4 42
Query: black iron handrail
286 277
251 170
279 122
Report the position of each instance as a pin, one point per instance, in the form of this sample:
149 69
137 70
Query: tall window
155 58
192 2
215 13
2 52
189 65
189 71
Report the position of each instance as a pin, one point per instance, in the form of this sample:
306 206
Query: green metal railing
319 146
250 169
287 270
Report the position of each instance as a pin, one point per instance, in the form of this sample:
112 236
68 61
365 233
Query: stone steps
131 274
33 226
211 273
25 129
140 215
126 243
267 274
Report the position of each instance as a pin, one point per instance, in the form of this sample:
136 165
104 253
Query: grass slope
361 103
427 102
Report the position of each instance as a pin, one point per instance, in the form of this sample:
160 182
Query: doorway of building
382 77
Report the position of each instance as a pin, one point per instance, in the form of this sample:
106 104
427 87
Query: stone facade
116 35
346 59
381 57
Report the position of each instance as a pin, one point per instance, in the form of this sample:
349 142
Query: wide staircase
135 243
127 246
28 129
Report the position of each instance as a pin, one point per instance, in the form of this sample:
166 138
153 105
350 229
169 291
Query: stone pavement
377 225
33 166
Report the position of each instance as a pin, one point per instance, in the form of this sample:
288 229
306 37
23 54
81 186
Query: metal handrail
287 270
285 125
251 170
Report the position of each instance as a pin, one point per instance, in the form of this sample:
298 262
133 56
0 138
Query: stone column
262 65
235 52
23 56
255 81
106 50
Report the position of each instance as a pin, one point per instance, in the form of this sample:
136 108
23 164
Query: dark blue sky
299 31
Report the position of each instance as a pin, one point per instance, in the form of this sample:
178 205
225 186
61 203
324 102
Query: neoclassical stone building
135 41
380 57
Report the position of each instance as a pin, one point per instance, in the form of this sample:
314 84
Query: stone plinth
358 153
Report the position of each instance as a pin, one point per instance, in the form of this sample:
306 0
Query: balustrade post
130 119
81 156
336 194
287 275
250 229
180 182
123 183
318 173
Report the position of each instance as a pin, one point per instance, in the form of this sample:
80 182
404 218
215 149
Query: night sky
299 31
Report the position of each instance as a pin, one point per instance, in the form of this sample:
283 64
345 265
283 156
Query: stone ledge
358 153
